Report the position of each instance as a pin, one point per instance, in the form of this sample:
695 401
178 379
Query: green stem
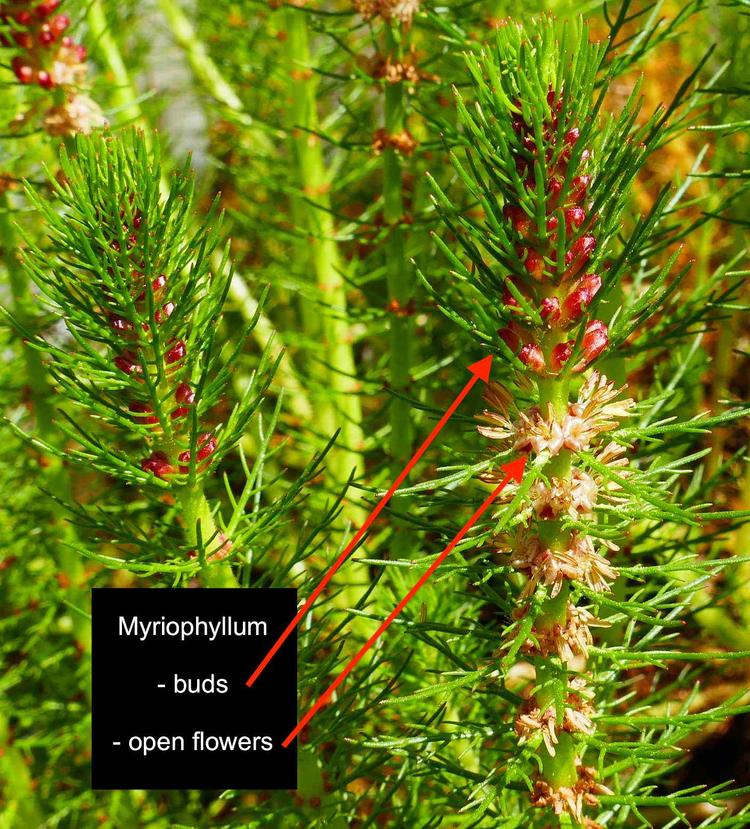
561 770
124 93
324 254
401 283
554 391
205 70
551 676
199 526
342 409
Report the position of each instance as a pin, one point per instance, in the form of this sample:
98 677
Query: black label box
171 709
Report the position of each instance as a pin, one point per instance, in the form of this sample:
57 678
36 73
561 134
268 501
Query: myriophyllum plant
142 387
549 174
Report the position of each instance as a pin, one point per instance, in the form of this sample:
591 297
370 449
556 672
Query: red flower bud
22 71
23 39
60 23
534 265
554 186
184 394
560 355
46 36
574 217
518 217
120 324
550 309
579 254
46 7
45 80
180 411
164 312
176 352
23 18
594 341
580 188
128 363
580 297
158 463
532 356
510 338
139 409
571 136
552 223
206 446
156 285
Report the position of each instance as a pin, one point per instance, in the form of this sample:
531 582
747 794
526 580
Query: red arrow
513 471
480 371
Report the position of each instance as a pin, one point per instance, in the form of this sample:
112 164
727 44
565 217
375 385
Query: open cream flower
570 640
577 716
579 562
571 799
595 411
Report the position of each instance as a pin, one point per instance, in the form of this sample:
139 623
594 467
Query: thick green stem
200 528
400 281
551 676
561 770
338 406
205 70
124 93
344 411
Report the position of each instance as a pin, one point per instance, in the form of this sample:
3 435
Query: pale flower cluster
568 641
571 799
576 717
594 412
578 561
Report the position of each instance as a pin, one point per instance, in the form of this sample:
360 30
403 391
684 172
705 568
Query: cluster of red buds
132 359
560 294
51 59
160 465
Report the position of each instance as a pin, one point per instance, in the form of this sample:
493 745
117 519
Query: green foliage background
344 333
